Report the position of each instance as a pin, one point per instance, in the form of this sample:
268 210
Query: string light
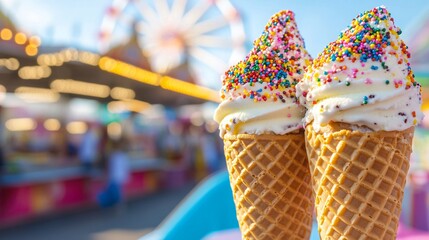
52 124
127 105
129 71
6 34
68 55
80 88
77 127
122 93
50 60
189 89
9 63
117 107
89 58
20 124
20 38
114 130
35 41
107 64
33 94
34 72
31 50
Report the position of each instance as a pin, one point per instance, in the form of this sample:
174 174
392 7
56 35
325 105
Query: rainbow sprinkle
273 67
366 39
371 41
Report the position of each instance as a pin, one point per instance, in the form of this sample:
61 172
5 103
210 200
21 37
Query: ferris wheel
207 34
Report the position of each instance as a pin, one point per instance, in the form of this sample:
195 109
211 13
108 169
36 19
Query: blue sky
77 22
321 21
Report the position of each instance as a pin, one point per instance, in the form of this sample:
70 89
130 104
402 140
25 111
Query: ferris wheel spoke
227 8
178 9
112 14
160 65
211 41
125 21
151 52
207 26
209 59
209 33
195 13
121 4
153 49
107 27
166 62
146 12
162 8
144 28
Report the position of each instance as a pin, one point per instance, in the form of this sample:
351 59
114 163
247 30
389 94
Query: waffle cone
358 180
271 185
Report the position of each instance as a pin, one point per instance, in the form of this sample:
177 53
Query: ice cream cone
358 180
260 121
362 106
271 185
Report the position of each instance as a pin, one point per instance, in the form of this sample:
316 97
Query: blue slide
208 208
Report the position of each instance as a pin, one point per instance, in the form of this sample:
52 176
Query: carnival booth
56 102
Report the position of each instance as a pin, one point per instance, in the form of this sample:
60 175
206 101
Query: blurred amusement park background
92 91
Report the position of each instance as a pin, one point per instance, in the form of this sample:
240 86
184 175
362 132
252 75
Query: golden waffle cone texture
271 185
358 180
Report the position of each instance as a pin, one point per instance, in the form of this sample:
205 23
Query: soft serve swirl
258 93
363 78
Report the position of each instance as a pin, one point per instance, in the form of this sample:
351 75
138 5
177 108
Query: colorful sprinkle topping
372 35
367 54
273 67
